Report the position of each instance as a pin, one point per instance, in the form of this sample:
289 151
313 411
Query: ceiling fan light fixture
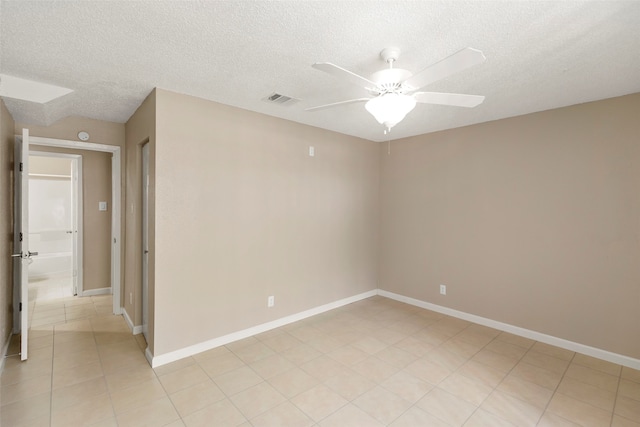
391 108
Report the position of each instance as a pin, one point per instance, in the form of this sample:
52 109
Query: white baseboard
148 355
172 356
94 292
135 330
516 330
163 359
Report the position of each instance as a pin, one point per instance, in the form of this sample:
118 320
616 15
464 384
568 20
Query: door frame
77 212
116 179
145 239
21 242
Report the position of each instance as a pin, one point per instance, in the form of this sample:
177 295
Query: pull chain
387 131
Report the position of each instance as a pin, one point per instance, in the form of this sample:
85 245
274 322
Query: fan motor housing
390 54
390 78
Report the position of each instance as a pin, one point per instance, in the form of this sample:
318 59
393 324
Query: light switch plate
102 206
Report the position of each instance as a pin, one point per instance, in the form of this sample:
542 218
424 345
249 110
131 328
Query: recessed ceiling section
30 90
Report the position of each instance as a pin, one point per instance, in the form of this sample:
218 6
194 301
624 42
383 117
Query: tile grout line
53 354
434 385
104 377
226 396
299 366
528 349
502 380
494 388
454 371
555 390
168 395
377 384
615 400
253 370
437 386
619 377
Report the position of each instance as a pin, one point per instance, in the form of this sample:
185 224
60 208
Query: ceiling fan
394 91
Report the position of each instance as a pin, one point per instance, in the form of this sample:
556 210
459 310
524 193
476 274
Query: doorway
55 218
23 256
114 203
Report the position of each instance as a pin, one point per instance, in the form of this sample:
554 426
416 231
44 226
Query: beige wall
49 165
532 221
97 187
101 132
6 224
243 212
96 239
140 129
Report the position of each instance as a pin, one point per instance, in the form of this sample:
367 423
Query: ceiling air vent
277 98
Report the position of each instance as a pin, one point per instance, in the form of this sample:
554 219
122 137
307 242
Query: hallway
74 345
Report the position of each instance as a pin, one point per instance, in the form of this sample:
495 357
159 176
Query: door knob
29 254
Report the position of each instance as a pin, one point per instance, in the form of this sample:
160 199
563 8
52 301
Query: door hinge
20 307
21 236
21 166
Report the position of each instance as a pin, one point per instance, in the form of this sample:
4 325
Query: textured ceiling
540 55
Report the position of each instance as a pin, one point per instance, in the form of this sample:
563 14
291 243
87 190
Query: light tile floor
372 363
54 296
51 287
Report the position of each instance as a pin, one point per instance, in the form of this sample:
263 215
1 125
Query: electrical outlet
130 297
271 301
443 289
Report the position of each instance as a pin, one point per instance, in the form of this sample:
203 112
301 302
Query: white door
145 240
21 253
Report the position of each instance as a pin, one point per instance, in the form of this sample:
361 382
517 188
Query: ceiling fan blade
454 99
335 104
459 61
341 73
